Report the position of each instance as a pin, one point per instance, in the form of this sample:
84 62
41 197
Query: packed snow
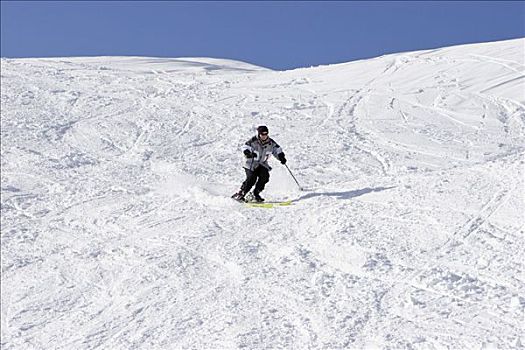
118 231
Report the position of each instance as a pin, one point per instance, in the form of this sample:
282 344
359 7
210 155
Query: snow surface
118 231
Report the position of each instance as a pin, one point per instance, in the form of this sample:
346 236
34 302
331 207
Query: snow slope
118 231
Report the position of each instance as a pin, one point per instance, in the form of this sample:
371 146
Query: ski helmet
261 129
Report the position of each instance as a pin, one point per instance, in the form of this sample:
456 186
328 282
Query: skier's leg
264 177
251 178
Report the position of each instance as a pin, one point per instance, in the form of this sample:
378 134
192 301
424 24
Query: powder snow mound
118 230
154 65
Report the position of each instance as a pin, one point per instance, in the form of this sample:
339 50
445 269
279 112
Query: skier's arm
279 154
247 149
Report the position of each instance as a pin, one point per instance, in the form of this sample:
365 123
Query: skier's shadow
343 195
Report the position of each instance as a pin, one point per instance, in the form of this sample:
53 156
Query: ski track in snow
118 231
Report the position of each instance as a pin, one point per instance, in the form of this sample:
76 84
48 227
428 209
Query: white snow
118 232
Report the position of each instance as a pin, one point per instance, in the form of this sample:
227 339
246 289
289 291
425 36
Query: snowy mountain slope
118 231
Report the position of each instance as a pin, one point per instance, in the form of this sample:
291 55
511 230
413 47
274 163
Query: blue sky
278 35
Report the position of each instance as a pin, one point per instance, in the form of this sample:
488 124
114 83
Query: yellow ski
268 204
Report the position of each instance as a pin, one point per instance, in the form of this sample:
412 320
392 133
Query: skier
257 150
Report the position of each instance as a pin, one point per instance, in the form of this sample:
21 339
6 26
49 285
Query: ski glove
280 156
249 154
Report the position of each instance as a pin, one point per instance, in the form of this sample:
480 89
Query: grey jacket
263 152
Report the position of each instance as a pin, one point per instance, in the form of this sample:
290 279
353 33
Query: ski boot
239 196
257 197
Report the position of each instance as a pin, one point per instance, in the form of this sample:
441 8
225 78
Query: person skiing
257 150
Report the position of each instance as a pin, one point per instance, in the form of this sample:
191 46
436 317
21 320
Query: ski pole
300 188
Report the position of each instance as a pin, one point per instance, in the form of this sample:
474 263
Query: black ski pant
258 177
